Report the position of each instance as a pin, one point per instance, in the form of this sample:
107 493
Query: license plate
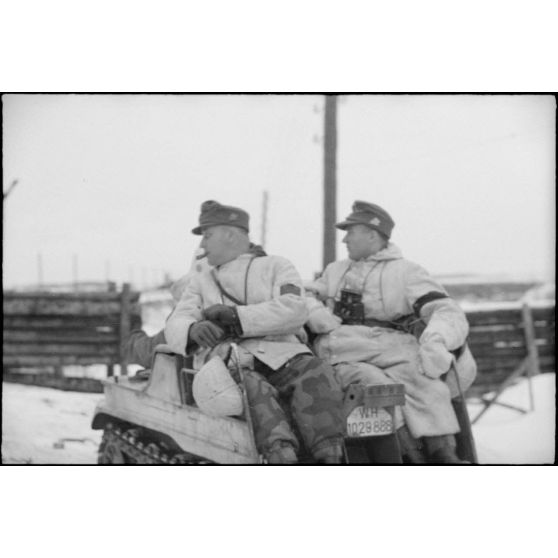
369 422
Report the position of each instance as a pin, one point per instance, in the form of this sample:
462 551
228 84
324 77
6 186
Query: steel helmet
215 392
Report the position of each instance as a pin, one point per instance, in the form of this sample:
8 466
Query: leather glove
224 316
434 359
205 334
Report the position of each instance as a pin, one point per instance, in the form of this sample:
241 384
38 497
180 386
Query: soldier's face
216 244
362 242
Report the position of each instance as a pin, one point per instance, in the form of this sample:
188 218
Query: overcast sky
118 180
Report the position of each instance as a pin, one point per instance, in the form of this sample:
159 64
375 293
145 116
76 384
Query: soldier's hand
222 314
205 334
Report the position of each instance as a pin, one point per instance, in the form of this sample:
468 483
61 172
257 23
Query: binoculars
350 307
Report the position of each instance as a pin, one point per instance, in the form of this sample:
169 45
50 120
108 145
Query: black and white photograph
278 279
281 279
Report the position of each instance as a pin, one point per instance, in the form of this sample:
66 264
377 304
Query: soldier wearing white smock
372 341
257 300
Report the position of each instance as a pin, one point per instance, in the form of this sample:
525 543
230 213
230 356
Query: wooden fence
508 339
46 331
51 330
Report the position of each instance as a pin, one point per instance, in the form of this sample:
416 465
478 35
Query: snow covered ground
506 436
47 426
43 425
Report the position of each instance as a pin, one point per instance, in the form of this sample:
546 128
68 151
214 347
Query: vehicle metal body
153 419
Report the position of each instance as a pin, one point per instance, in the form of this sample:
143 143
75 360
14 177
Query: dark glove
225 316
205 334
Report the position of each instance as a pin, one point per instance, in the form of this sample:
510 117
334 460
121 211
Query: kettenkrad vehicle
153 418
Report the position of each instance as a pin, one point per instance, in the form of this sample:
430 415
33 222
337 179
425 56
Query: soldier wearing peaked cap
371 330
370 215
140 347
214 214
256 300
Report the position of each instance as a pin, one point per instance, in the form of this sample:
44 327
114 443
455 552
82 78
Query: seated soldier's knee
140 347
359 372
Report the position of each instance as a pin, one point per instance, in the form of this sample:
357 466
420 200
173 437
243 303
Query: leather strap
404 323
228 295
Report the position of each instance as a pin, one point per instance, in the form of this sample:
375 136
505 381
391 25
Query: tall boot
331 454
410 448
442 450
281 453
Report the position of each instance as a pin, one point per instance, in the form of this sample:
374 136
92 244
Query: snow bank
43 425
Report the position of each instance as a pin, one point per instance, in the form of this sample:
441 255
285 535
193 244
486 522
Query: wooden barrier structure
50 330
47 331
509 343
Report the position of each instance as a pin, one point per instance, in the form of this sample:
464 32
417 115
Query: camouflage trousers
140 347
307 388
305 391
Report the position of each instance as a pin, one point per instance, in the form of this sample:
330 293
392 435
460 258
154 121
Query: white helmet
215 392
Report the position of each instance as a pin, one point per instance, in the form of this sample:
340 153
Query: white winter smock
390 286
274 309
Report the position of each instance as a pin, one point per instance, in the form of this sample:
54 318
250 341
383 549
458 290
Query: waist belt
399 326
406 324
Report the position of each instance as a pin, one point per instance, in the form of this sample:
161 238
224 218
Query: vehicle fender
101 416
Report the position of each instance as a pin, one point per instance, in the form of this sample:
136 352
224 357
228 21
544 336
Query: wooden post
528 367
330 172
124 327
532 352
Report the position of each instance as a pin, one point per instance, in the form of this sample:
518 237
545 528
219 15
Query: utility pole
264 218
330 179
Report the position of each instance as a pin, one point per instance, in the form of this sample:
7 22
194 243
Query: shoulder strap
228 295
341 278
223 291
